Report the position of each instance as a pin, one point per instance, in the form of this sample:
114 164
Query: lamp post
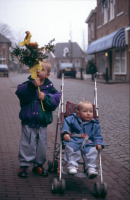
106 54
82 67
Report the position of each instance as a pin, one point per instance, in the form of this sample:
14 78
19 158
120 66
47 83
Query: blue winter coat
73 124
31 112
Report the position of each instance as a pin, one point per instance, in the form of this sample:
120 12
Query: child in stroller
81 135
82 125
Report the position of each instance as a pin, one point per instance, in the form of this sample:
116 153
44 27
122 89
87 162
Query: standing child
81 134
34 120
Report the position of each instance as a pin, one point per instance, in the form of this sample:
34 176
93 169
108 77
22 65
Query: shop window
93 57
89 57
2 54
101 62
112 4
120 61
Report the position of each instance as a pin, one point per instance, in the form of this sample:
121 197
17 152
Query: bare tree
71 50
19 37
6 31
84 41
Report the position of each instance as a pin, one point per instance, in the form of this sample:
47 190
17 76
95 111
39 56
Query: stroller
57 164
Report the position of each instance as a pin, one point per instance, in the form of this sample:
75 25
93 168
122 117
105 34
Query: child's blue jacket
73 124
31 112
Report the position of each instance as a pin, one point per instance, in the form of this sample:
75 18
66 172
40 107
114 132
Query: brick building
4 50
109 38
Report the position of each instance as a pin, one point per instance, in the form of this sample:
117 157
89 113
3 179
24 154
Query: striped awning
113 40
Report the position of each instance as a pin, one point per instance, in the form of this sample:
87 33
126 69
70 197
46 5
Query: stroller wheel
55 166
62 186
96 189
50 165
54 185
104 189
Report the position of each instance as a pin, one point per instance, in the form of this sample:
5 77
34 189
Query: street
113 103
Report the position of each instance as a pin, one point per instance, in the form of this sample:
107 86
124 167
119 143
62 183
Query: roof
90 15
4 39
60 49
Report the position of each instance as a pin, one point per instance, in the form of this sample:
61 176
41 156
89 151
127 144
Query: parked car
69 70
4 70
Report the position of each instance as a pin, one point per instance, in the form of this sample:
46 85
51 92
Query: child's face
43 74
86 112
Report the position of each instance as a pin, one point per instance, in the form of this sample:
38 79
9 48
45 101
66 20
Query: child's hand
37 82
41 95
66 137
98 147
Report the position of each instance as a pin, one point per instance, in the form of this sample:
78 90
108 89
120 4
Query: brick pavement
36 187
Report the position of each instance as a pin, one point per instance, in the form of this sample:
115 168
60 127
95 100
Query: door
110 65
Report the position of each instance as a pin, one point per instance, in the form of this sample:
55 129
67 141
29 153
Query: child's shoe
23 171
72 170
40 170
92 173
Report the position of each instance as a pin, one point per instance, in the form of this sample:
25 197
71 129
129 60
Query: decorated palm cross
32 55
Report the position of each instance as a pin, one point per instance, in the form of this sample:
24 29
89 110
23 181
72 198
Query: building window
77 64
2 62
120 61
112 13
89 33
4 45
101 62
92 28
3 53
105 14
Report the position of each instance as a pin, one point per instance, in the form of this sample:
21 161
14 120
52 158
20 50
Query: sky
63 20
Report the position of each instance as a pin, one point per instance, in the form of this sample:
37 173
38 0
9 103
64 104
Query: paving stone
35 187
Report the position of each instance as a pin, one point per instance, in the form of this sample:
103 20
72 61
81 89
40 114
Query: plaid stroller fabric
70 108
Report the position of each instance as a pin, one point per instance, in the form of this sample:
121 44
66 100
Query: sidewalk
35 187
88 78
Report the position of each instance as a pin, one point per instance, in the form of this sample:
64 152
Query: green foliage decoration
31 56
